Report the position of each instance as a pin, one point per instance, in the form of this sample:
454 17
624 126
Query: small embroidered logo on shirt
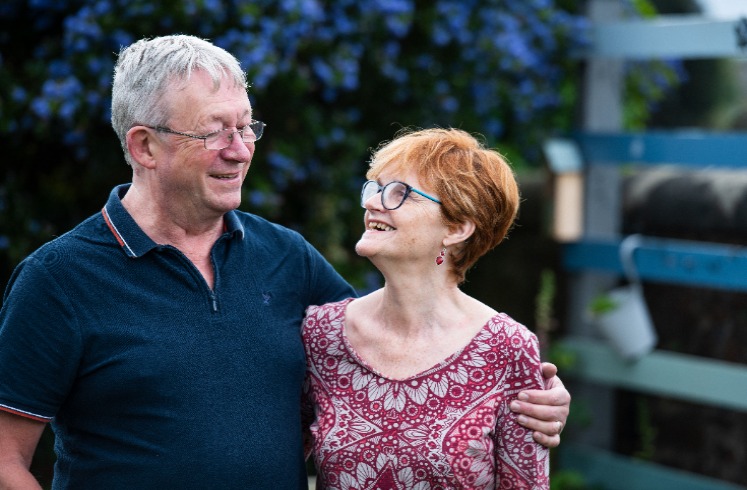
266 297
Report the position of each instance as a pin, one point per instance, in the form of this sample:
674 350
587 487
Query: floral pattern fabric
446 428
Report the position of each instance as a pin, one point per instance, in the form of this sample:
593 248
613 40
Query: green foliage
570 480
544 318
601 304
647 82
644 8
646 430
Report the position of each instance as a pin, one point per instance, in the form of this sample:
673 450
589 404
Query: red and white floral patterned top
447 428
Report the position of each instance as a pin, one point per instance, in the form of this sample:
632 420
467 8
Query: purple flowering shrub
331 80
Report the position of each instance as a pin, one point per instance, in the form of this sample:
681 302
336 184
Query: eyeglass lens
223 139
392 195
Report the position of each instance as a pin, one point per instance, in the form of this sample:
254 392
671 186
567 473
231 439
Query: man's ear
142 145
459 233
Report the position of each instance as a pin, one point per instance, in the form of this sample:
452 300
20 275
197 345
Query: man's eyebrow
219 118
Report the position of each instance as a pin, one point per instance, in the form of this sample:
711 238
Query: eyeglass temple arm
425 195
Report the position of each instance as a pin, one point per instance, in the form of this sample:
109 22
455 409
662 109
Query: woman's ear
459 232
141 144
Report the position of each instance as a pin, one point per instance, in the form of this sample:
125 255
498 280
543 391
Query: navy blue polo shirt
150 378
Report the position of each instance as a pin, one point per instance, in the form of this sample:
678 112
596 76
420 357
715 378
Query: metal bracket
741 32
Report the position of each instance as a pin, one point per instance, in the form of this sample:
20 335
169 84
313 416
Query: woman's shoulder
503 323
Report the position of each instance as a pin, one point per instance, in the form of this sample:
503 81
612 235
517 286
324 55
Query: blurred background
333 79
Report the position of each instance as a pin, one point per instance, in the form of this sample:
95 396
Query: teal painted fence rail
611 472
699 149
669 37
671 374
681 262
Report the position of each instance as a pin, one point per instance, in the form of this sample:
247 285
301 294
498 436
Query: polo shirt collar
132 239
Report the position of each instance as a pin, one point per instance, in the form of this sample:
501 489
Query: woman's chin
363 249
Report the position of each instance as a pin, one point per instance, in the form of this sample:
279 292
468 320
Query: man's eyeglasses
393 194
219 140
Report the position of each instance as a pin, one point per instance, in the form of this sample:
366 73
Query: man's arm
19 437
544 411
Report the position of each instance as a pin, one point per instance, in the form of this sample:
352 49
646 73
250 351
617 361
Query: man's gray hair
147 69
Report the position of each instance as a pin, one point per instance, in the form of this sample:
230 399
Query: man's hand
544 411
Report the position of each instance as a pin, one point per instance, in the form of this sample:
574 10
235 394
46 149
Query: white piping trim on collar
119 235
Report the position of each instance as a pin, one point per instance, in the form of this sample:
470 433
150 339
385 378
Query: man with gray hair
160 337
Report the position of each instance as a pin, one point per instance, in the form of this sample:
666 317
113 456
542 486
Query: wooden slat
699 149
674 36
615 472
682 262
661 373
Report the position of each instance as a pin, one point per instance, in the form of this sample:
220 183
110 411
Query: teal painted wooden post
602 111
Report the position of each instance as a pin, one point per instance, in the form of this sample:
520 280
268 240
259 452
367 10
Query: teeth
375 225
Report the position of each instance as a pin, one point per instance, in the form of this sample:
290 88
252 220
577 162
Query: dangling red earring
440 258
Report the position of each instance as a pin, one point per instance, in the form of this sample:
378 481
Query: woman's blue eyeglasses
393 194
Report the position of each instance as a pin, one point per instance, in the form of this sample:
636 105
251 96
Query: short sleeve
519 458
40 342
327 286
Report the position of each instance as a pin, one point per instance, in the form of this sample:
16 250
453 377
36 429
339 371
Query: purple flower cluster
496 58
331 79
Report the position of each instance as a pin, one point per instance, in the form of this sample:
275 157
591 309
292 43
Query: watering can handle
627 248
